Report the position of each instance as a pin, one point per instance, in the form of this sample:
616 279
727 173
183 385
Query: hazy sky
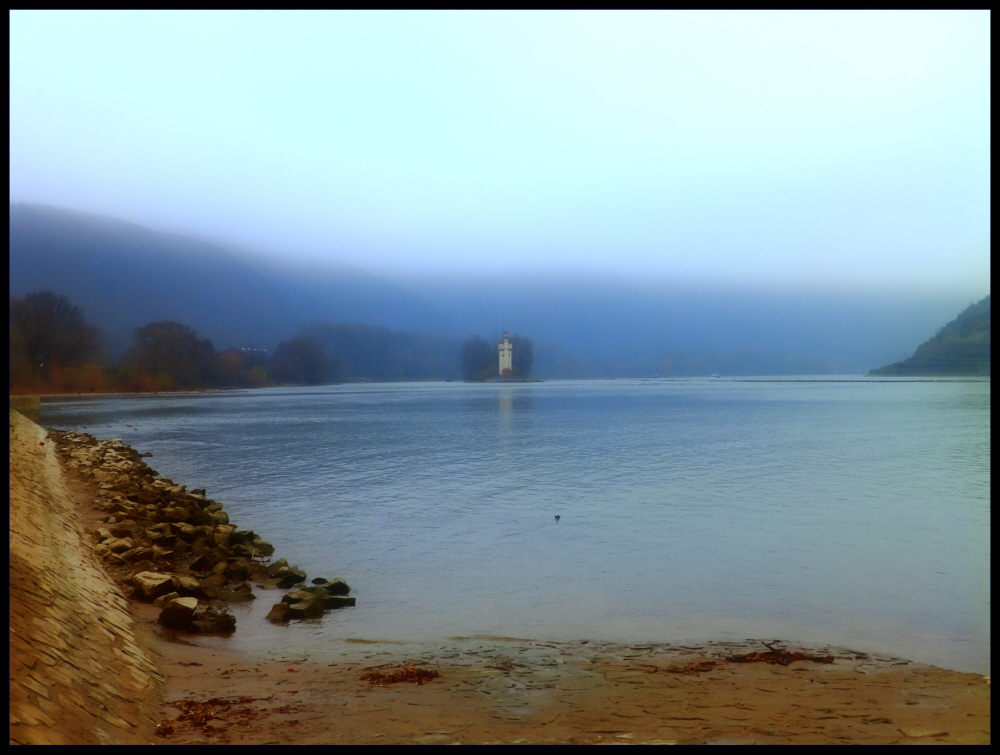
789 148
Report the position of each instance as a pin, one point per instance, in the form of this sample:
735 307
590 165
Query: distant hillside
124 276
962 347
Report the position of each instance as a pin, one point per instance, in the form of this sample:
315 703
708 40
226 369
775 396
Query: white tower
506 349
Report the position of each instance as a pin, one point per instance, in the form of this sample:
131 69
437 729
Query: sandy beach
71 685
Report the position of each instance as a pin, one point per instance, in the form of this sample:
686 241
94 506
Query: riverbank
488 689
82 671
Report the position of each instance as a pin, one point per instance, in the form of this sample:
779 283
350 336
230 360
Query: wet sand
496 690
493 690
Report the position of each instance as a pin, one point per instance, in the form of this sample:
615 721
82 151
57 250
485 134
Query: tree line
53 349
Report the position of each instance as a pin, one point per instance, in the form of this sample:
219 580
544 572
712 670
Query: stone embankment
81 670
177 549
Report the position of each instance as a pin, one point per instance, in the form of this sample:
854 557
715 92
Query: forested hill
962 347
123 276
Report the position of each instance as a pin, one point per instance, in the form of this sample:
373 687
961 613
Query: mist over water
848 513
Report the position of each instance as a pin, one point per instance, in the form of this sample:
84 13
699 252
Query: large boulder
151 585
240 594
309 608
185 531
161 601
188 586
298 595
281 563
212 620
278 613
239 569
289 575
121 545
336 586
262 548
337 601
214 580
223 535
177 614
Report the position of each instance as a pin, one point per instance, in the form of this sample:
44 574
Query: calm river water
820 511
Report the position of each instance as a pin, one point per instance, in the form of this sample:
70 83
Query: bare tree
167 347
50 330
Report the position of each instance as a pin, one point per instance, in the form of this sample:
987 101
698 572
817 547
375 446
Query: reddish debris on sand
781 657
408 673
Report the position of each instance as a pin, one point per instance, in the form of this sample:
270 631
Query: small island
960 348
479 365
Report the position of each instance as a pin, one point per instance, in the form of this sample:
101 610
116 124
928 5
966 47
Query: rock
306 609
163 529
263 548
165 598
220 568
289 580
223 535
137 568
162 554
120 531
246 551
204 562
138 554
319 581
175 514
185 531
297 596
278 613
186 586
197 491
212 620
240 594
337 586
292 574
214 580
178 612
337 601
102 535
257 574
101 550
151 585
242 537
120 545
273 569
239 569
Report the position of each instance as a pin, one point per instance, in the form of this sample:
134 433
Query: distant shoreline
884 379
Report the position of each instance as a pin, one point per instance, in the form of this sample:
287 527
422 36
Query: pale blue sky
835 148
